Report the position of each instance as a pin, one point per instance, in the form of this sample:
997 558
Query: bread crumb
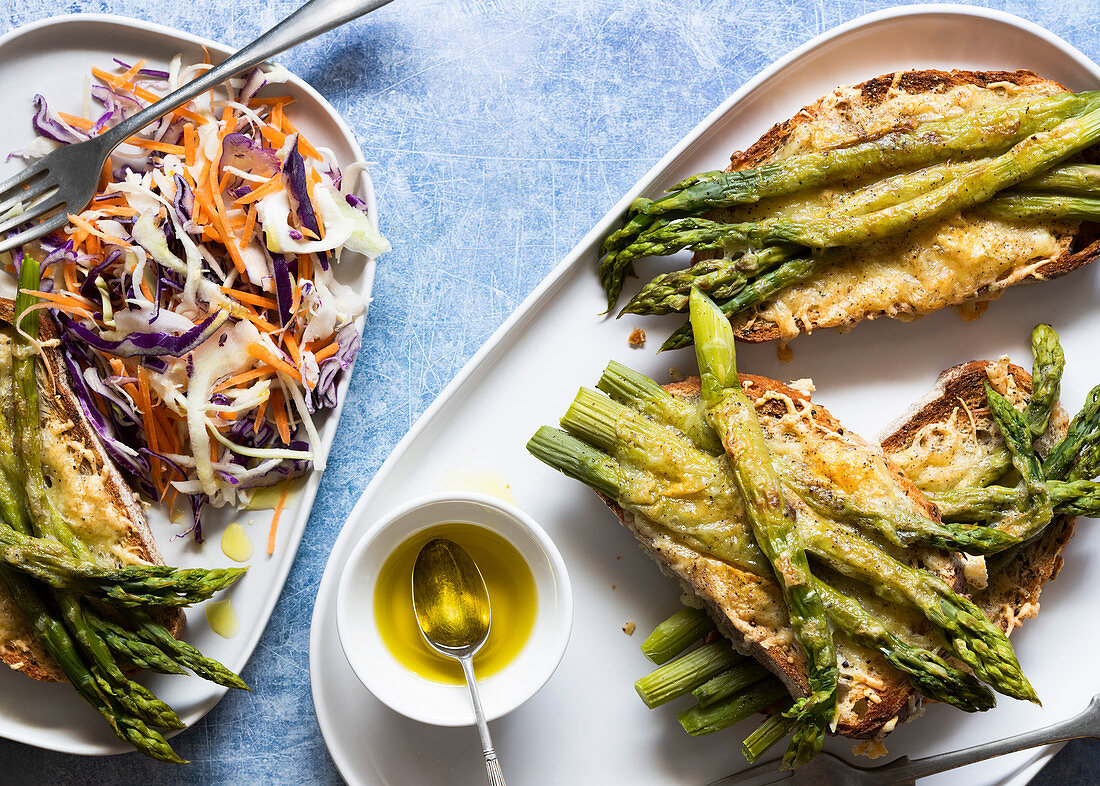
674 374
971 310
612 586
628 628
872 749
637 338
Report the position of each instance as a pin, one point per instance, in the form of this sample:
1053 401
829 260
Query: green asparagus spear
1037 510
180 651
722 278
767 734
900 527
987 503
1083 432
729 682
676 634
681 676
929 673
640 392
132 649
1046 377
734 418
962 626
1083 178
720 715
757 291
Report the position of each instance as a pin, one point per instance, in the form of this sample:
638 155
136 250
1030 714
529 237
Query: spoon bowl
450 599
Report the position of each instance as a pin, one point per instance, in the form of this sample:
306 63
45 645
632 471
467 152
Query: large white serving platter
51 57
587 726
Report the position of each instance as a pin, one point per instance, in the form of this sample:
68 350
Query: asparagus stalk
1073 498
1070 177
901 527
757 291
640 392
720 715
961 625
139 653
722 278
1084 432
1037 510
151 631
979 133
773 522
729 682
767 734
930 674
1046 376
681 676
676 634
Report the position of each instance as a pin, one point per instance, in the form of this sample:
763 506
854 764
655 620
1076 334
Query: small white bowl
432 702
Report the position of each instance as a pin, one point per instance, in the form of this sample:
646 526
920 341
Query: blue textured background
502 130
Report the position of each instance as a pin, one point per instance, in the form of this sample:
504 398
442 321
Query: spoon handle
492 766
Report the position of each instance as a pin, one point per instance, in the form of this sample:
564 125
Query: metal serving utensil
826 768
65 181
452 610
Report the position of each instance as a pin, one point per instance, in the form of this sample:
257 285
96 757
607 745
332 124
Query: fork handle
312 19
904 771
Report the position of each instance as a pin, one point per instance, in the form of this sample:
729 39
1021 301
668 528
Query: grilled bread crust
749 609
855 111
19 648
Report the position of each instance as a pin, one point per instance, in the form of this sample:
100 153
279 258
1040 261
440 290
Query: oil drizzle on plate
236 544
222 618
512 599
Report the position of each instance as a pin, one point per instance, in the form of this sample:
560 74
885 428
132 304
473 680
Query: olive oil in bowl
512 598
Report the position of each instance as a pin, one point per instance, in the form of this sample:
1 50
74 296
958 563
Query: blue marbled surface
502 130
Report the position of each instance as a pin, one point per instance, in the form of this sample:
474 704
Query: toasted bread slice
963 259
749 609
943 441
88 490
939 445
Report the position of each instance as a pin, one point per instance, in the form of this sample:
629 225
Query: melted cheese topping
933 265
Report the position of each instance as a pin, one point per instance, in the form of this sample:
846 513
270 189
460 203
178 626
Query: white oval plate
587 726
51 57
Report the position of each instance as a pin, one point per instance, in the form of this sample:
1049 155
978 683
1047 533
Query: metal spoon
452 610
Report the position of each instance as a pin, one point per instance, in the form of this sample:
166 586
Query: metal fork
65 180
829 769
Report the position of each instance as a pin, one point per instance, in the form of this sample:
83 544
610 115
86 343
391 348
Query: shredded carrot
278 411
248 297
260 410
303 144
270 187
275 519
249 227
76 121
260 352
292 347
132 71
85 225
190 144
145 404
245 376
327 352
152 144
